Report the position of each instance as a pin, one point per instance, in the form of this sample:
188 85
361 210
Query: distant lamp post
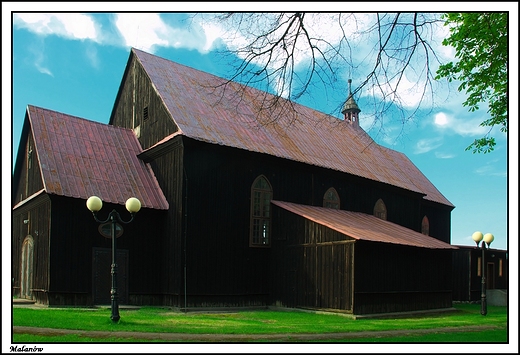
486 239
133 205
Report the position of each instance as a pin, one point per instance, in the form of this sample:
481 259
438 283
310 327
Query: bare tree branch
278 54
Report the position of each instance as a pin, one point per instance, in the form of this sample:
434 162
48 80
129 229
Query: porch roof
361 226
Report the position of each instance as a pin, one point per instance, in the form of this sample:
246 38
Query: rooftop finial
350 108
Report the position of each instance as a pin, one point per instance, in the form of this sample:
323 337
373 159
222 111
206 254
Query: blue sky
73 63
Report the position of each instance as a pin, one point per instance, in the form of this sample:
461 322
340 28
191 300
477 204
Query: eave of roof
29 198
204 113
361 226
79 158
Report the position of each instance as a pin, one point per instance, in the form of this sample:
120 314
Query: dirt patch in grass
215 338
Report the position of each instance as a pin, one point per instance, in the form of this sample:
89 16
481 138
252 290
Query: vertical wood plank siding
136 94
168 168
462 274
312 264
467 282
30 178
37 212
440 220
221 267
197 253
206 230
394 278
62 264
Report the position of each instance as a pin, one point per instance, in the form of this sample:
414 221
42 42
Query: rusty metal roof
80 158
233 116
361 226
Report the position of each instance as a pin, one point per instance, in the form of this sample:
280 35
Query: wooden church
239 209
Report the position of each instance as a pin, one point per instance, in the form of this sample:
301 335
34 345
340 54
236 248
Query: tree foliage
480 41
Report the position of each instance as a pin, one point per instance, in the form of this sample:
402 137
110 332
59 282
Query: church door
27 268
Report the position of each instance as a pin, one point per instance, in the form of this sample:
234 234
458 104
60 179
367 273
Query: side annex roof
361 226
79 158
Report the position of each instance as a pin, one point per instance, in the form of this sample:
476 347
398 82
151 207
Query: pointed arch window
380 209
260 229
331 199
425 226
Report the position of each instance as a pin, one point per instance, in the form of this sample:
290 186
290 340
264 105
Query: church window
425 226
261 195
331 199
380 209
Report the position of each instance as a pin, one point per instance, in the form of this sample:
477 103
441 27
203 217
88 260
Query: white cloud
149 30
142 30
139 30
490 170
324 29
446 53
68 25
409 94
92 56
213 32
441 155
426 145
43 69
38 58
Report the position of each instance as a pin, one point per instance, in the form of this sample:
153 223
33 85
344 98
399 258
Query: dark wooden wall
205 249
311 265
75 233
135 94
493 256
462 275
37 212
167 164
396 278
439 217
28 179
221 267
467 284
63 247
220 263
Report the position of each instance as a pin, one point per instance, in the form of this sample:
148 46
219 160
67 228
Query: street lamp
486 239
133 205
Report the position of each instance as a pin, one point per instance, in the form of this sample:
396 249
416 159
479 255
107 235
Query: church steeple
350 109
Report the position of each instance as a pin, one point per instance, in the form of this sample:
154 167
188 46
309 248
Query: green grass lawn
148 319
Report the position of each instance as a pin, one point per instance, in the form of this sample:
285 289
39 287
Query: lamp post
133 205
486 239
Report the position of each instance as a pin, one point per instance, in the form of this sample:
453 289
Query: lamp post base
483 306
115 312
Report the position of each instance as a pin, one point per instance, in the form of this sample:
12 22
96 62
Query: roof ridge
334 118
300 133
79 118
